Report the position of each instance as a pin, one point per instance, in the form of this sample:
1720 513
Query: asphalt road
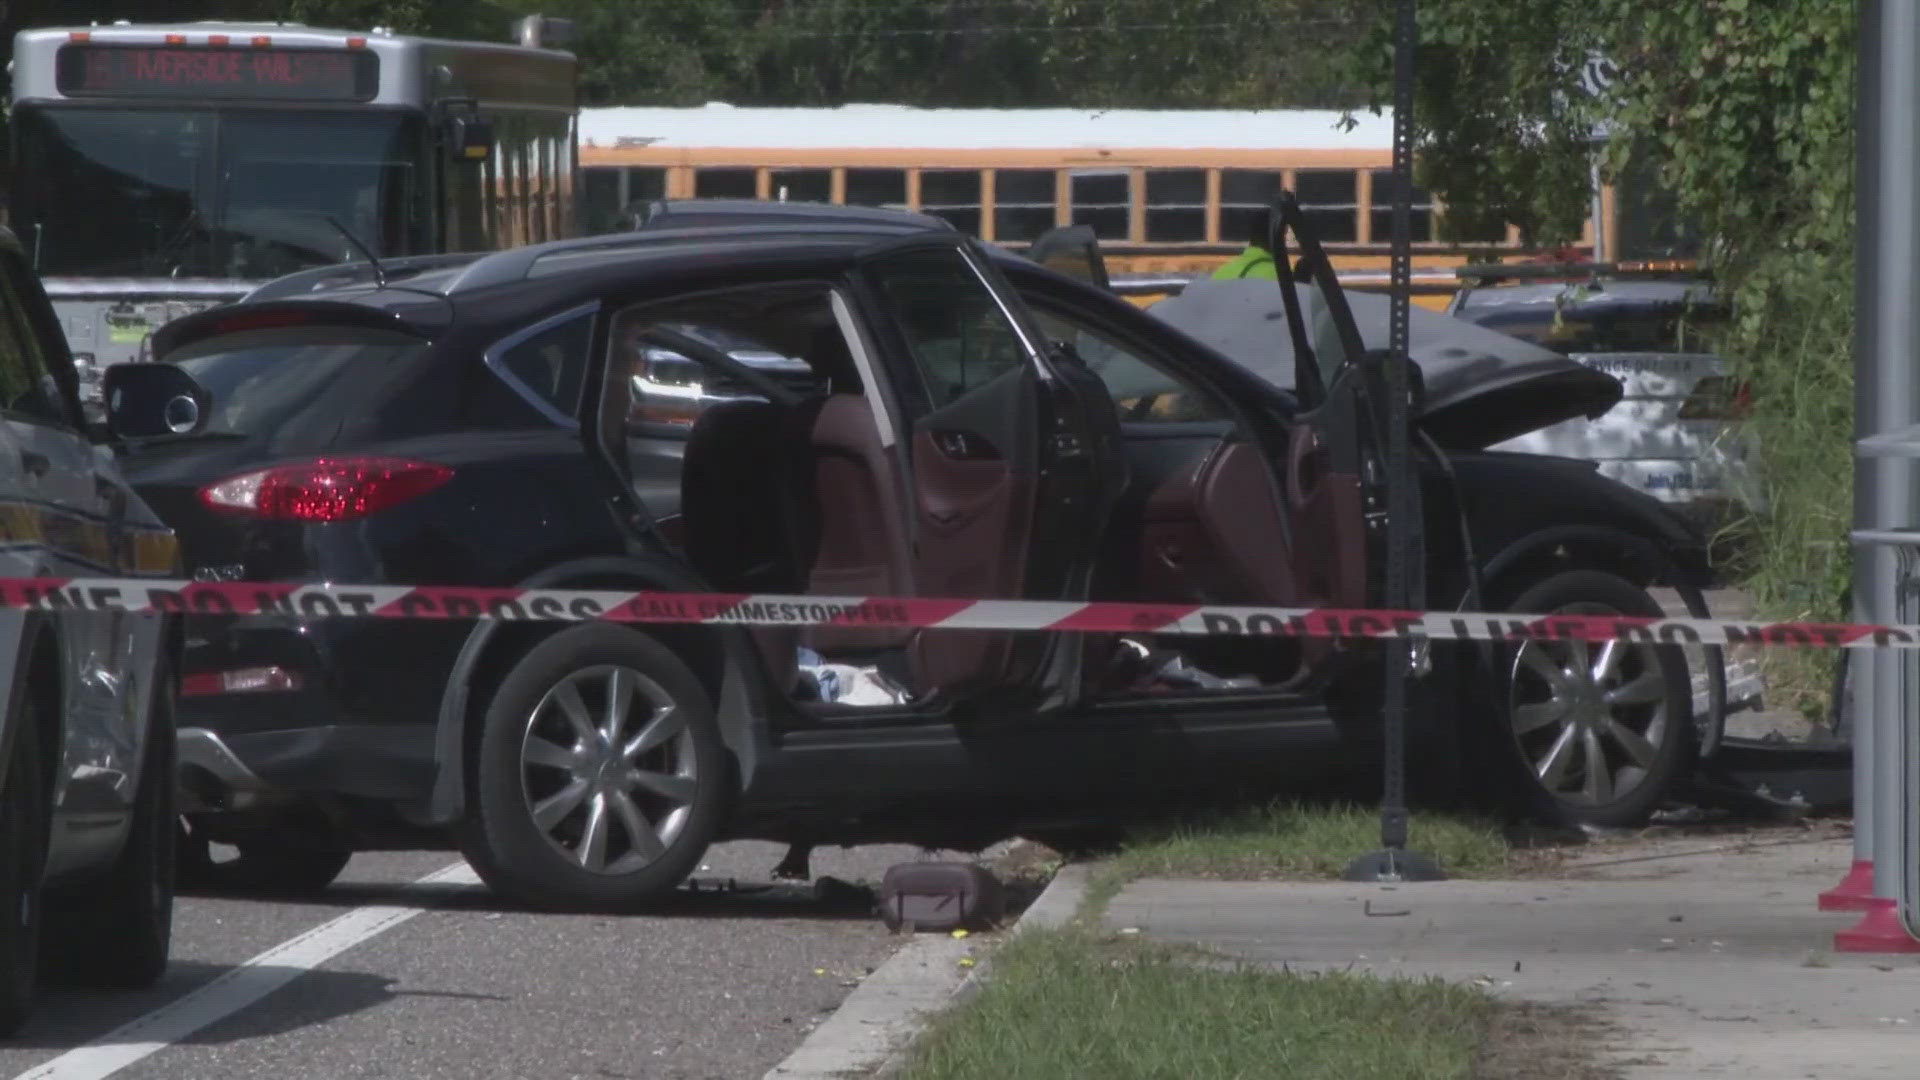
716 984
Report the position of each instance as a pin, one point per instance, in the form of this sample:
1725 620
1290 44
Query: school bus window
1023 204
953 194
1330 201
877 187
724 184
1176 205
1103 199
1244 195
539 184
600 190
1419 220
644 184
800 185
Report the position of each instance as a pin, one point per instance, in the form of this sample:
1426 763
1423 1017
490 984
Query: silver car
87 738
1675 433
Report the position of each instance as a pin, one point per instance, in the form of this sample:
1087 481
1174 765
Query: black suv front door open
1330 465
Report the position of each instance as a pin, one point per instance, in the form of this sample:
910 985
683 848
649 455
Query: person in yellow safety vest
1256 261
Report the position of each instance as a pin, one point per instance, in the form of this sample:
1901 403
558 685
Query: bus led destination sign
236 72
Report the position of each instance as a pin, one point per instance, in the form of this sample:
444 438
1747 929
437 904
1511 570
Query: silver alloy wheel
1590 721
608 784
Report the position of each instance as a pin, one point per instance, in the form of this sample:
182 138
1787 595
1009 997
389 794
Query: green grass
1294 841
1069 1003
1793 341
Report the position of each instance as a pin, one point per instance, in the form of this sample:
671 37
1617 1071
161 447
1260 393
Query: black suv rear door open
1013 457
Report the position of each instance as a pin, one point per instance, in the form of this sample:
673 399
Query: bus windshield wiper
379 272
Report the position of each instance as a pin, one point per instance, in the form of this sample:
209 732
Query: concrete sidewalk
1712 961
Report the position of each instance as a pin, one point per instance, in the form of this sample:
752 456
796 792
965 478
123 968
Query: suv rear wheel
1599 734
115 932
600 778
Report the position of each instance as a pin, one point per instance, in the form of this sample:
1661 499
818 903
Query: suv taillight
329 489
1717 397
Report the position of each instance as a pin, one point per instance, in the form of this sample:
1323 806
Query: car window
301 386
956 332
550 366
1142 392
27 387
667 387
1329 351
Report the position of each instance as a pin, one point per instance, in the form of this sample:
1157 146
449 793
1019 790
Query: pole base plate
1880 930
1855 891
1392 865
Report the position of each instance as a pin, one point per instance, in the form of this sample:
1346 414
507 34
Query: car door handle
964 446
35 464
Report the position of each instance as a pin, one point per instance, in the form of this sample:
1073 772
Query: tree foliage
957 53
1745 111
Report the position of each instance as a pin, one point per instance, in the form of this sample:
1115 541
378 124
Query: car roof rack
341 275
515 264
1646 269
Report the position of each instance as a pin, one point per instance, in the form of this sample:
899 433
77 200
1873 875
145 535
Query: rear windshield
308 385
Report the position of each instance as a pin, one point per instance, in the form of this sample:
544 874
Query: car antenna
379 272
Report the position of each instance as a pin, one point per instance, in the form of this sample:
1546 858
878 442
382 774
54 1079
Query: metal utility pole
1886 401
1394 862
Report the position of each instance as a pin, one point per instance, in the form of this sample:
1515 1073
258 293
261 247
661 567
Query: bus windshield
222 193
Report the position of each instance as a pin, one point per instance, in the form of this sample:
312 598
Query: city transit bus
1169 194
161 169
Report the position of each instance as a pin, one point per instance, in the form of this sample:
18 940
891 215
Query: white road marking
239 987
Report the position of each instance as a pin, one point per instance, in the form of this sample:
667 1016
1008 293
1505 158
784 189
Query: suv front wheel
1594 734
599 778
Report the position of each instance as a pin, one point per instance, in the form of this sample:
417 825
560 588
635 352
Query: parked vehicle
1676 433
481 424
87 736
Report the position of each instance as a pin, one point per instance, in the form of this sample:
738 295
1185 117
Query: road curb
869 1033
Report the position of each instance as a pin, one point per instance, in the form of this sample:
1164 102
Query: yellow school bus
1170 194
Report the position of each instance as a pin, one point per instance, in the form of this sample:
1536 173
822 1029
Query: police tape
329 601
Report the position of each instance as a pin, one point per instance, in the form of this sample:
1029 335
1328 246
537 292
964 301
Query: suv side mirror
153 400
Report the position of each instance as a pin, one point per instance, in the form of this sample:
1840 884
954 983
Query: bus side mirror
469 138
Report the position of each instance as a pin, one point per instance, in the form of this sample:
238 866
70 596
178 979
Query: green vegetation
1112 53
1301 842
1072 1002
1745 111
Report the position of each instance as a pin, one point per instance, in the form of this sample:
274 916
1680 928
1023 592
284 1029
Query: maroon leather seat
746 508
1241 513
863 548
1214 532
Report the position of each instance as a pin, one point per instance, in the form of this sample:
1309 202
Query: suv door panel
1331 446
1008 486
1325 503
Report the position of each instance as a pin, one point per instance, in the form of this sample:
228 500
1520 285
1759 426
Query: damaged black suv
838 405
